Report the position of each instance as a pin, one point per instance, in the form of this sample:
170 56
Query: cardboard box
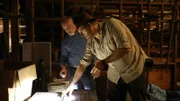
16 80
34 51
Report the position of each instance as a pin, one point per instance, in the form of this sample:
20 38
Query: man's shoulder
112 20
109 21
78 36
81 37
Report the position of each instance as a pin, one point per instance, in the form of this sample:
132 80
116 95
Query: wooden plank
162 25
52 7
62 15
97 6
15 30
3 12
140 21
52 26
165 45
149 29
120 9
156 50
6 30
112 3
161 78
175 79
29 15
172 26
163 61
92 9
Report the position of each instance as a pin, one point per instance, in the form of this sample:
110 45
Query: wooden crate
33 51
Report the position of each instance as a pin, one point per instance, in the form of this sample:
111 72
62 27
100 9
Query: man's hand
63 72
69 90
79 72
95 72
99 64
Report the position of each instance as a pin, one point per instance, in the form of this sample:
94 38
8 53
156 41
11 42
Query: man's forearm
79 72
117 54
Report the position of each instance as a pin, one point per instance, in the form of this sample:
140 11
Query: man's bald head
68 25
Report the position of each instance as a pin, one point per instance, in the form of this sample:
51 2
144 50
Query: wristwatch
103 62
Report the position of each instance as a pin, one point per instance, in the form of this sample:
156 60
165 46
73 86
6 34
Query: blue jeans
156 93
85 82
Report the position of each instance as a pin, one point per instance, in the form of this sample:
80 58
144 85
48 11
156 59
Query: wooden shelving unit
155 24
152 22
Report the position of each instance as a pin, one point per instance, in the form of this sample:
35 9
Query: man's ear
89 25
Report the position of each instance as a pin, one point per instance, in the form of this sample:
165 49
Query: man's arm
79 72
64 56
120 39
63 71
80 69
63 61
117 54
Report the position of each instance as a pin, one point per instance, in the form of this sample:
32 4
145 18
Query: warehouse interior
30 31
